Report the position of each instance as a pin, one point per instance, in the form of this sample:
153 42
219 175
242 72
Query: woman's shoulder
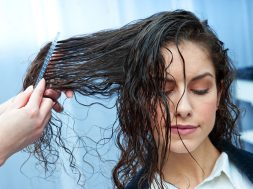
234 152
242 159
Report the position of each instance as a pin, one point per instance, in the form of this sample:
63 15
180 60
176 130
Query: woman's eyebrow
201 76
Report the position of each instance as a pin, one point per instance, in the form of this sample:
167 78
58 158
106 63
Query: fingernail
41 81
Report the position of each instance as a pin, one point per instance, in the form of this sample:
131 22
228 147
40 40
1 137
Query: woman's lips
183 129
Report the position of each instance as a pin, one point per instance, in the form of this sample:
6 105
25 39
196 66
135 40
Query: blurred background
25 26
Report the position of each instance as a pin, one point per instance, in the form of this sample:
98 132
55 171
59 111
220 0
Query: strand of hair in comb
47 59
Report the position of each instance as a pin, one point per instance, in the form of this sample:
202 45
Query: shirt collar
222 166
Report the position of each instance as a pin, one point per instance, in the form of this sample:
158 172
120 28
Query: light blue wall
28 24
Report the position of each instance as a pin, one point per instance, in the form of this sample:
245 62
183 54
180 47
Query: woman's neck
187 169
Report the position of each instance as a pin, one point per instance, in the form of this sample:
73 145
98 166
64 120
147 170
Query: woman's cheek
207 112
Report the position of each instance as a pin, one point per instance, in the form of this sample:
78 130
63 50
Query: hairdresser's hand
4 106
23 119
54 95
49 93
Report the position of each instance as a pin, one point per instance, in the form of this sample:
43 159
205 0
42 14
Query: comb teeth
47 59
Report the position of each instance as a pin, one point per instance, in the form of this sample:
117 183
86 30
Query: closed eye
168 92
200 92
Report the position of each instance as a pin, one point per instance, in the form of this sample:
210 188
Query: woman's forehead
188 56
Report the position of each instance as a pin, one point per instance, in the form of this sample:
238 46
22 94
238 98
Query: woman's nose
183 106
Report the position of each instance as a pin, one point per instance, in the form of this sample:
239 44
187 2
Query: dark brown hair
128 63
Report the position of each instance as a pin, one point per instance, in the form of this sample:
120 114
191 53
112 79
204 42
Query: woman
172 77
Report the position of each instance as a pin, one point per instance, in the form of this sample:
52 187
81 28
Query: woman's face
193 102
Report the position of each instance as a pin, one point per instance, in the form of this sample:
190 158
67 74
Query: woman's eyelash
168 92
200 92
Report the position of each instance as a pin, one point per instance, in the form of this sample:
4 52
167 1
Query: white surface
244 90
247 136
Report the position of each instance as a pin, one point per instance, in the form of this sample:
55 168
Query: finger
36 97
46 120
58 107
53 94
43 125
46 106
69 93
5 105
21 99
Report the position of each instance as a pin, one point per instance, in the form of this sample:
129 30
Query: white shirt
225 175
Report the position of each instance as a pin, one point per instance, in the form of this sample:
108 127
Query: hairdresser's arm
22 120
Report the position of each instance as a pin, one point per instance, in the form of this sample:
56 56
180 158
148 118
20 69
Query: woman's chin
183 147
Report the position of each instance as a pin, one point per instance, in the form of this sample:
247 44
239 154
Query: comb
47 59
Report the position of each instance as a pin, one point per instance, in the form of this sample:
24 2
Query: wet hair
128 63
